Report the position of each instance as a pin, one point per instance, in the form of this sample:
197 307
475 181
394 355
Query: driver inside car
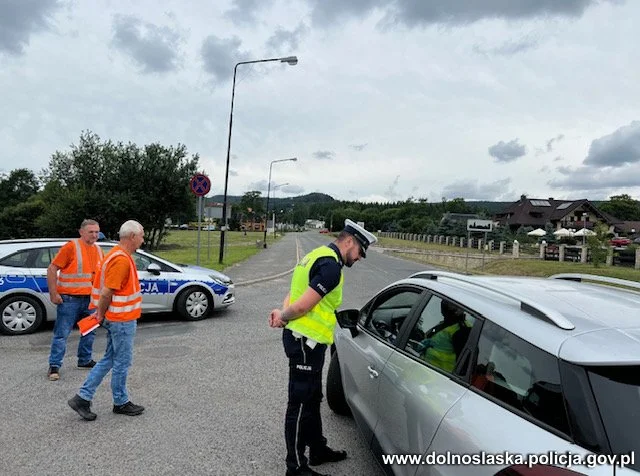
445 341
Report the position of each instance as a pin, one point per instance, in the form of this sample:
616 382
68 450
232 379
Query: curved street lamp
291 60
292 159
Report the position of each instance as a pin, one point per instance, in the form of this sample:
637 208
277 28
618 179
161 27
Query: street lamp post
584 225
292 159
276 187
291 60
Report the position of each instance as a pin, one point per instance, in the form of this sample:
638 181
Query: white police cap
362 236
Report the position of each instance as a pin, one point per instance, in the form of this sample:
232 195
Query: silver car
448 374
191 291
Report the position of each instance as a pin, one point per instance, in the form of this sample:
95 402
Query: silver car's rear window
617 392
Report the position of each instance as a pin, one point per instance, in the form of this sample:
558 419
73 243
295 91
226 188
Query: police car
191 291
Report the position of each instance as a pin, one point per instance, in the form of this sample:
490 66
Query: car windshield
617 392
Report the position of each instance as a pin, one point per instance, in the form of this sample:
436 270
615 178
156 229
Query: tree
18 186
598 244
20 220
622 206
252 202
113 183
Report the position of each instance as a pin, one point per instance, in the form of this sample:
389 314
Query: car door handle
372 372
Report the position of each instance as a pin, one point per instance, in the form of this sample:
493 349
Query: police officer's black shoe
88 365
128 408
82 407
304 471
325 455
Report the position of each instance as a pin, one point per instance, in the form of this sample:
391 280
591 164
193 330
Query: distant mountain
308 198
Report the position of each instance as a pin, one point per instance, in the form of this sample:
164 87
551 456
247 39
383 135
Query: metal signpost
200 185
482 226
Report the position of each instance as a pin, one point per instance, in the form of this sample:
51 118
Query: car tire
20 315
194 304
335 392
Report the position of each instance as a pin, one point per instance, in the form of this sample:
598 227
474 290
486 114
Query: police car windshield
617 392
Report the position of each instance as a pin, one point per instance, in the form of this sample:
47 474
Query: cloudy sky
390 99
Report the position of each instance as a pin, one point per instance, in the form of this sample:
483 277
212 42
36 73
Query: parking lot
214 390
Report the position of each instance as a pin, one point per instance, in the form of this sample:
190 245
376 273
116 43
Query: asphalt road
214 392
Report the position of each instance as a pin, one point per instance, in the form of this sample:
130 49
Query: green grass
180 246
508 266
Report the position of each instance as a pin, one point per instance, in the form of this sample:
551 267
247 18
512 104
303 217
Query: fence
616 256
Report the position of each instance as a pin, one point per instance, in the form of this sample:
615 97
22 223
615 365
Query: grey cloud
472 190
583 178
564 170
154 48
616 149
508 48
391 192
550 142
220 55
558 159
326 12
507 151
260 185
549 146
324 155
292 189
461 12
233 173
287 41
244 12
19 19
358 147
452 12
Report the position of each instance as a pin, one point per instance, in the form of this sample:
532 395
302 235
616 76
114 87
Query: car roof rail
597 279
541 312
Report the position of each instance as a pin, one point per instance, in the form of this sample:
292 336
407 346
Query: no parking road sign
200 184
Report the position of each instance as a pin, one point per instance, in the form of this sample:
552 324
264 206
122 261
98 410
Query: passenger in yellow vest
442 345
117 300
308 318
69 278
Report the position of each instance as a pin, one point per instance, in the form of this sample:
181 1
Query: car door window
520 375
43 256
142 262
388 313
17 260
440 333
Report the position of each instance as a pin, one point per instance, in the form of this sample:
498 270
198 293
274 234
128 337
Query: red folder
88 324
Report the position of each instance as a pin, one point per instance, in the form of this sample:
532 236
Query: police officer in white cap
308 319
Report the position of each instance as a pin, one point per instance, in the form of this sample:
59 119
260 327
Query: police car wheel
335 392
194 304
20 315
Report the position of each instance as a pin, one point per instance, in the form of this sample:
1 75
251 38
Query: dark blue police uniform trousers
303 424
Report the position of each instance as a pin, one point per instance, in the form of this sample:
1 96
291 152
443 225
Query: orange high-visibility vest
126 303
77 276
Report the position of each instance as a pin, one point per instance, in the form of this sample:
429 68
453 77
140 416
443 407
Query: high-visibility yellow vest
441 352
317 324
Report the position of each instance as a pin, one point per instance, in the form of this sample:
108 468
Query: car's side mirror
153 268
348 319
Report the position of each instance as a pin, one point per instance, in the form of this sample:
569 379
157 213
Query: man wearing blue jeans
70 279
118 302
